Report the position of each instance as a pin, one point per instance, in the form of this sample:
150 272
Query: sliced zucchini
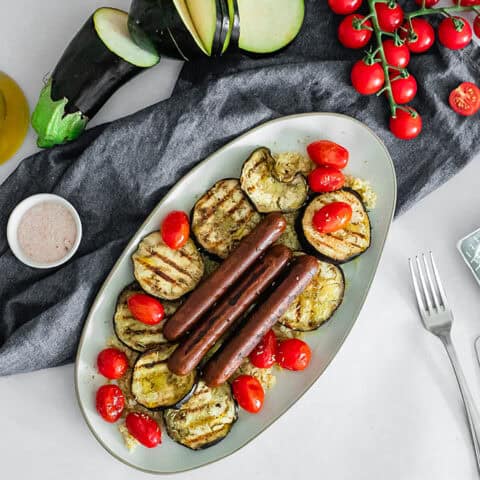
347 243
154 386
289 237
166 273
269 25
266 192
319 300
205 419
134 334
222 217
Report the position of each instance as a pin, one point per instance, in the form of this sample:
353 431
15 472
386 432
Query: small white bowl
16 216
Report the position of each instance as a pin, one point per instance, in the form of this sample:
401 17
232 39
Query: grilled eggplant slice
205 419
266 192
318 302
166 273
154 386
222 217
289 237
134 334
289 164
347 243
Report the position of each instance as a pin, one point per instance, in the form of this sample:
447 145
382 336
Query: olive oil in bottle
14 117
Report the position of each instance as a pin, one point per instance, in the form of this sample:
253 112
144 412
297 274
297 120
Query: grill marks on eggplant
318 302
154 386
134 334
222 217
347 243
266 192
164 272
205 419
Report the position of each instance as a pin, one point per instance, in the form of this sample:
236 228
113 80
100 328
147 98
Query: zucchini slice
154 386
269 25
205 419
99 59
166 273
319 300
134 334
222 217
347 243
266 192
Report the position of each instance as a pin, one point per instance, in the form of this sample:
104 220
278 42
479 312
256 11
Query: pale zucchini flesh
164 272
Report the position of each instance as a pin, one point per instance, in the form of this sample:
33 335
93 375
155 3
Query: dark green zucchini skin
88 73
156 26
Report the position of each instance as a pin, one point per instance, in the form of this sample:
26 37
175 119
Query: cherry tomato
454 33
112 363
396 55
175 229
406 125
476 26
428 3
344 7
293 354
465 99
249 393
144 428
110 402
421 38
404 89
326 179
332 217
263 355
328 154
467 3
367 79
146 309
352 33
389 18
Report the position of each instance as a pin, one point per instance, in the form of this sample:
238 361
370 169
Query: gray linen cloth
115 174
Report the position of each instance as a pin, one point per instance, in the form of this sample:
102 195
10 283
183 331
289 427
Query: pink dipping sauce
47 232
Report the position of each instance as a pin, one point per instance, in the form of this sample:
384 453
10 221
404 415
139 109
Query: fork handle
470 409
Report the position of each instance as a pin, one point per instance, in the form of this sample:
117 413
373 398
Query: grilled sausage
245 292
228 359
212 288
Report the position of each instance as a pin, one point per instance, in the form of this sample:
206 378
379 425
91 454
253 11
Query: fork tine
426 292
421 304
433 289
439 282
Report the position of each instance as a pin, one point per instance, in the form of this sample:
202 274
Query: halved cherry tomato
465 99
396 55
421 38
476 26
352 33
144 428
112 363
454 33
326 179
110 402
344 7
264 354
406 125
332 217
175 229
367 79
249 393
389 17
428 3
293 354
404 89
328 154
146 309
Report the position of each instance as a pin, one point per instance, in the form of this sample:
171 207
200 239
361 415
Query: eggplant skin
205 419
343 245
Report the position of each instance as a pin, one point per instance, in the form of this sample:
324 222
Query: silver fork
437 318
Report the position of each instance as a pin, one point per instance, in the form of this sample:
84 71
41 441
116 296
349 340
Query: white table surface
387 407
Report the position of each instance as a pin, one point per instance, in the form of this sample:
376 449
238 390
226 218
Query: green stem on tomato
442 10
